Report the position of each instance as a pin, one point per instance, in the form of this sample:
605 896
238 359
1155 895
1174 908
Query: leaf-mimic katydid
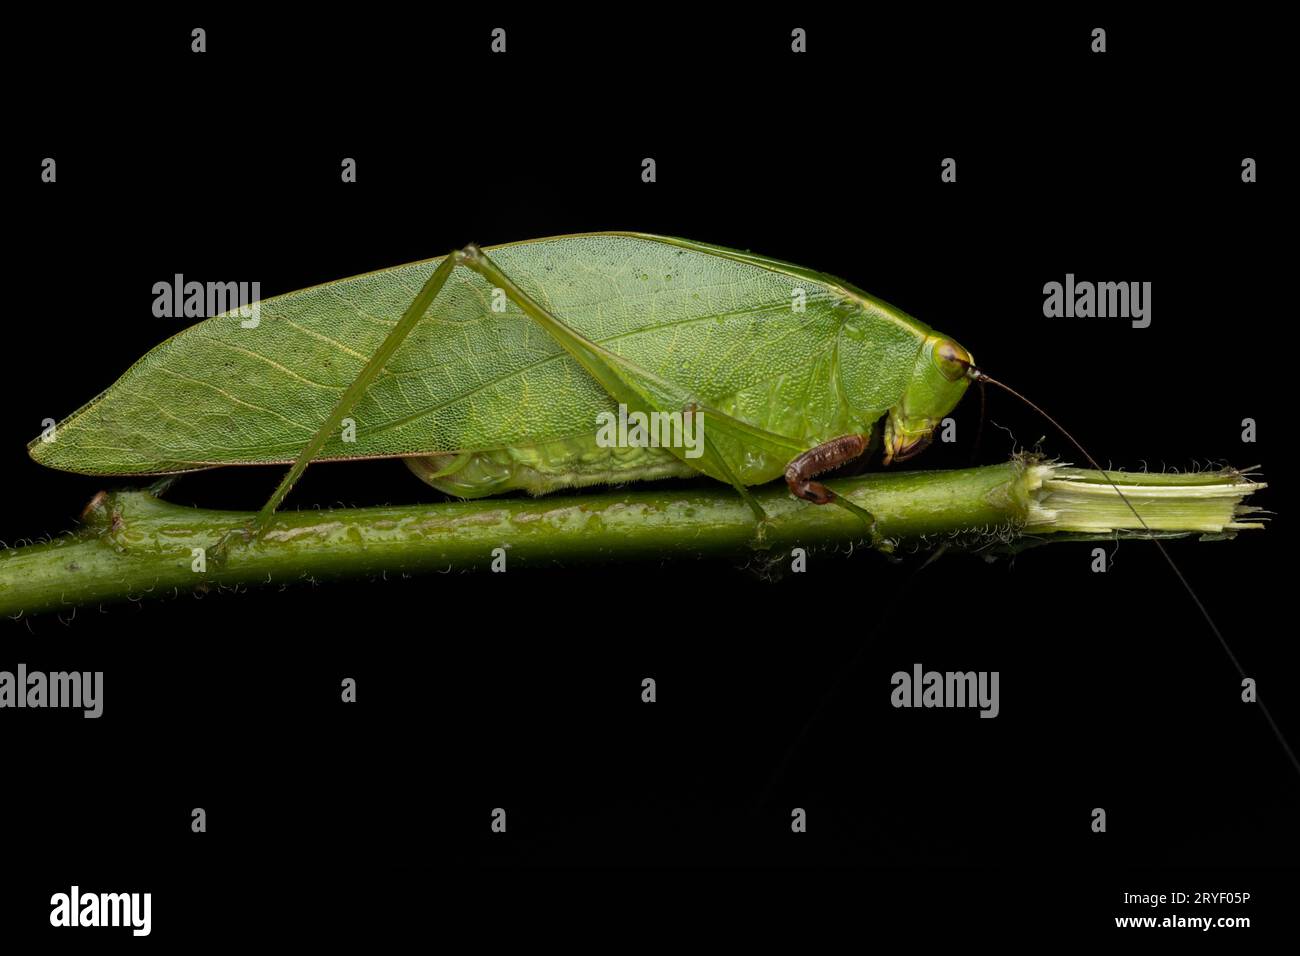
494 377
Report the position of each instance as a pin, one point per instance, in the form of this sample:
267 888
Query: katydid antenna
978 375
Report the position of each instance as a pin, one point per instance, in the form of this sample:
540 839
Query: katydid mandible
494 377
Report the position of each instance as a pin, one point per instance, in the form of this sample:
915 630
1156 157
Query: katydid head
939 379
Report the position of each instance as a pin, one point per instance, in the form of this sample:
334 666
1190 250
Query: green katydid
495 376
790 371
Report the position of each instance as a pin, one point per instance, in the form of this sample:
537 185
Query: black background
523 690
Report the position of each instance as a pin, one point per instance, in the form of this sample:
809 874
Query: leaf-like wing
716 323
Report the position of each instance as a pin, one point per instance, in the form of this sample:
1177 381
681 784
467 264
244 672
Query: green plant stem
132 544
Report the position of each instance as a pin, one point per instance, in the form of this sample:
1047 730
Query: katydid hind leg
634 387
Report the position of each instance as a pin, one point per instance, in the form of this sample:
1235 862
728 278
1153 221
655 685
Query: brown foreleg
799 474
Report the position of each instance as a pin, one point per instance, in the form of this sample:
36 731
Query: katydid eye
953 360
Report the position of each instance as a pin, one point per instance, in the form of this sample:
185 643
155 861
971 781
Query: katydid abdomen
777 360
539 469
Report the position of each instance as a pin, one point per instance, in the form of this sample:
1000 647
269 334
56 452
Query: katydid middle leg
633 387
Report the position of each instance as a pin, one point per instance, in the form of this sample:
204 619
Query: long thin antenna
981 377
979 431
